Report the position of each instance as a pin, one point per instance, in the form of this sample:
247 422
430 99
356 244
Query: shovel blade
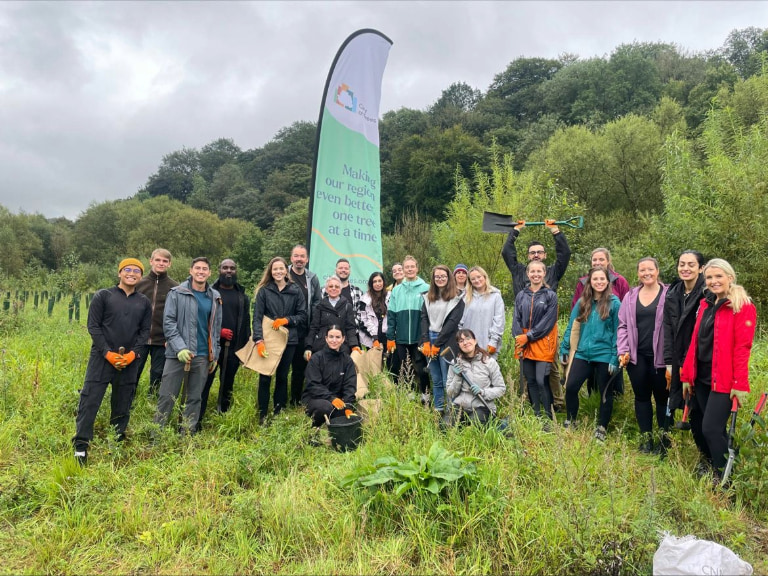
498 223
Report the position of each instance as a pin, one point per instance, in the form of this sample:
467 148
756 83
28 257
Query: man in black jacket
118 322
235 332
155 286
555 272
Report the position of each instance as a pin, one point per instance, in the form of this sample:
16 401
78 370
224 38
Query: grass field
243 498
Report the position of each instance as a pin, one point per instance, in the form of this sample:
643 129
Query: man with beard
309 286
349 290
155 286
235 332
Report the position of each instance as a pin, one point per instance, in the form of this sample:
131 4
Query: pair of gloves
476 390
308 353
549 223
339 404
429 350
120 361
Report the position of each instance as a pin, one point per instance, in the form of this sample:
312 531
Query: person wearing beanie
155 286
460 276
118 322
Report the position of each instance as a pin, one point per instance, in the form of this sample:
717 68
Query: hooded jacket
734 333
156 288
485 373
243 315
369 331
330 374
536 315
627 333
180 321
679 320
275 303
326 315
404 311
597 337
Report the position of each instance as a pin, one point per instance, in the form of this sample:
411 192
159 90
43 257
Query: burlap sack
368 364
274 340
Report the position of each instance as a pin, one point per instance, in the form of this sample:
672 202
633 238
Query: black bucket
345 433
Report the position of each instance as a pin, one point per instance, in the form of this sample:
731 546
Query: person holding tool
640 347
716 368
331 380
119 319
192 325
474 381
235 332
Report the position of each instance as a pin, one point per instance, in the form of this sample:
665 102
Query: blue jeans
438 370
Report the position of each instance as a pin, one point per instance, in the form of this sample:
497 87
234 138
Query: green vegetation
243 498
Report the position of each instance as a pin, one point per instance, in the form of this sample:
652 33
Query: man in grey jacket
191 324
309 286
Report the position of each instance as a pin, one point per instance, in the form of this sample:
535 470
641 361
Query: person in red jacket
716 368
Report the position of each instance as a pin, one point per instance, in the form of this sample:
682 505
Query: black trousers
298 367
318 409
648 382
280 399
156 366
580 371
712 412
226 379
91 397
418 362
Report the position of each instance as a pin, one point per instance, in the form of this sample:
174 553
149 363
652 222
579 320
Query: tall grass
243 498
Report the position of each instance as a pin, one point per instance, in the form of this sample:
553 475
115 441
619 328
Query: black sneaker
646 443
600 434
81 457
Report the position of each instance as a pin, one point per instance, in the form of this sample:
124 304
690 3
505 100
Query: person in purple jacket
640 346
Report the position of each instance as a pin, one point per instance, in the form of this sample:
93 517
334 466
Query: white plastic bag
689 555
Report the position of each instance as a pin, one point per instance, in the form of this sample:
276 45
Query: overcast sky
92 94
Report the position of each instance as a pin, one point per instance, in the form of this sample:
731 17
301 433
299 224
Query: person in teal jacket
404 324
597 316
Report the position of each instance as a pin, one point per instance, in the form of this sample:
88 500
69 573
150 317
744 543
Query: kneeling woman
716 367
331 380
475 380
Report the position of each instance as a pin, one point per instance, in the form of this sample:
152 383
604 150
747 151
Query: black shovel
503 223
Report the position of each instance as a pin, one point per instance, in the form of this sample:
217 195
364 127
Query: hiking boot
81 457
600 434
646 443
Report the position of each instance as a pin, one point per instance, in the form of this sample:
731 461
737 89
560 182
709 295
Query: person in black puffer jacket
333 309
331 380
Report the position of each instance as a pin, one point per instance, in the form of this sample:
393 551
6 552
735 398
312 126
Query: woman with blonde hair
716 368
483 311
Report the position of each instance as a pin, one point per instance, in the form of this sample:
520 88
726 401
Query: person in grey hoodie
484 311
192 325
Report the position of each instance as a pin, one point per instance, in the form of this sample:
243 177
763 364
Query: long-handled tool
450 358
609 385
684 424
184 391
502 223
755 413
731 447
223 371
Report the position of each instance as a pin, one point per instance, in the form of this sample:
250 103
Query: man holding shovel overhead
235 332
192 325
554 273
118 320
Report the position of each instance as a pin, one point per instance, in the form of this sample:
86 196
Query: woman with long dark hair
601 258
641 349
440 316
597 313
474 381
374 317
278 298
716 368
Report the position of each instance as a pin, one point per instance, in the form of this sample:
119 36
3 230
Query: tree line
659 148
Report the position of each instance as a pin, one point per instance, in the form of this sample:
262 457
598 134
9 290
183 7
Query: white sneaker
425 399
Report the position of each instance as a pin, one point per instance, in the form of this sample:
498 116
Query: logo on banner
346 98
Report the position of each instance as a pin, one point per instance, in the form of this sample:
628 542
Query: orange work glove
349 413
428 350
520 225
491 349
376 344
624 359
338 403
668 376
115 359
279 322
128 358
391 345
261 348
550 223
521 340
356 349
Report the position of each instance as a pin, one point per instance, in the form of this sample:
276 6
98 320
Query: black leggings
713 410
580 371
538 386
281 384
648 382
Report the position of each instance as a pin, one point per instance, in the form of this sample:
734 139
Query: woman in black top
333 310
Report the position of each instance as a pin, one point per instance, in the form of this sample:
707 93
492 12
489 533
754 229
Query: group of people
688 343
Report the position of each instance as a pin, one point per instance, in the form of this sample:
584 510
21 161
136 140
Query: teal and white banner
345 217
